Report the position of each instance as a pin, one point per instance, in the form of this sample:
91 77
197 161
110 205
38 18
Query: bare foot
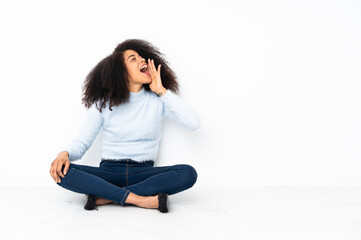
102 201
140 201
149 202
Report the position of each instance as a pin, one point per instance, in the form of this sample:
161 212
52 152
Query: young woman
127 95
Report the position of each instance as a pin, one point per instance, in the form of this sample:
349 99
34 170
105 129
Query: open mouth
144 69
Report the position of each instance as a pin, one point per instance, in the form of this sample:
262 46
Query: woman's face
134 63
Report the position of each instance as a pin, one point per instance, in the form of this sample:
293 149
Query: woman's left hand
156 85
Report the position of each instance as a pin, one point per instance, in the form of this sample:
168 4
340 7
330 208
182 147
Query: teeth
143 68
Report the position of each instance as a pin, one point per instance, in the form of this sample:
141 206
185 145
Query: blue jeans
115 179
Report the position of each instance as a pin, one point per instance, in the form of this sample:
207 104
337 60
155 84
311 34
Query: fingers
66 168
159 69
156 83
58 170
152 68
53 172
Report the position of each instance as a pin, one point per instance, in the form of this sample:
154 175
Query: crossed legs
129 183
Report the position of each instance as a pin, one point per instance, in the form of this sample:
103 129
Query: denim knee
65 179
190 175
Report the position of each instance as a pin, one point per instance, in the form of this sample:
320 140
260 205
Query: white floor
198 213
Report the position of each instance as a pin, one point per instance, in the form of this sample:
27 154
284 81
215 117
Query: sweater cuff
168 96
69 149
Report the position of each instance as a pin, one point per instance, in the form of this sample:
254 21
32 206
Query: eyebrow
130 56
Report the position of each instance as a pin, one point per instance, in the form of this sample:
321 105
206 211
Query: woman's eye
133 59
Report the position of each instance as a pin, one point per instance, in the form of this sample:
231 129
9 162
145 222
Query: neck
135 87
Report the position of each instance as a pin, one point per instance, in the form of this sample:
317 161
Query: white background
276 84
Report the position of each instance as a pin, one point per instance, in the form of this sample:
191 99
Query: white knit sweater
132 130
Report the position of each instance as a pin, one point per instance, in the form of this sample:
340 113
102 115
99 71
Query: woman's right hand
57 164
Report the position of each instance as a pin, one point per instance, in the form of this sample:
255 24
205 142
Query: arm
177 111
88 131
173 108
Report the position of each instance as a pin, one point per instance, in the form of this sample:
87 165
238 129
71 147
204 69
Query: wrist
161 92
65 153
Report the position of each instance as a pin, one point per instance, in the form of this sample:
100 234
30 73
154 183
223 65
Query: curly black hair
108 80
